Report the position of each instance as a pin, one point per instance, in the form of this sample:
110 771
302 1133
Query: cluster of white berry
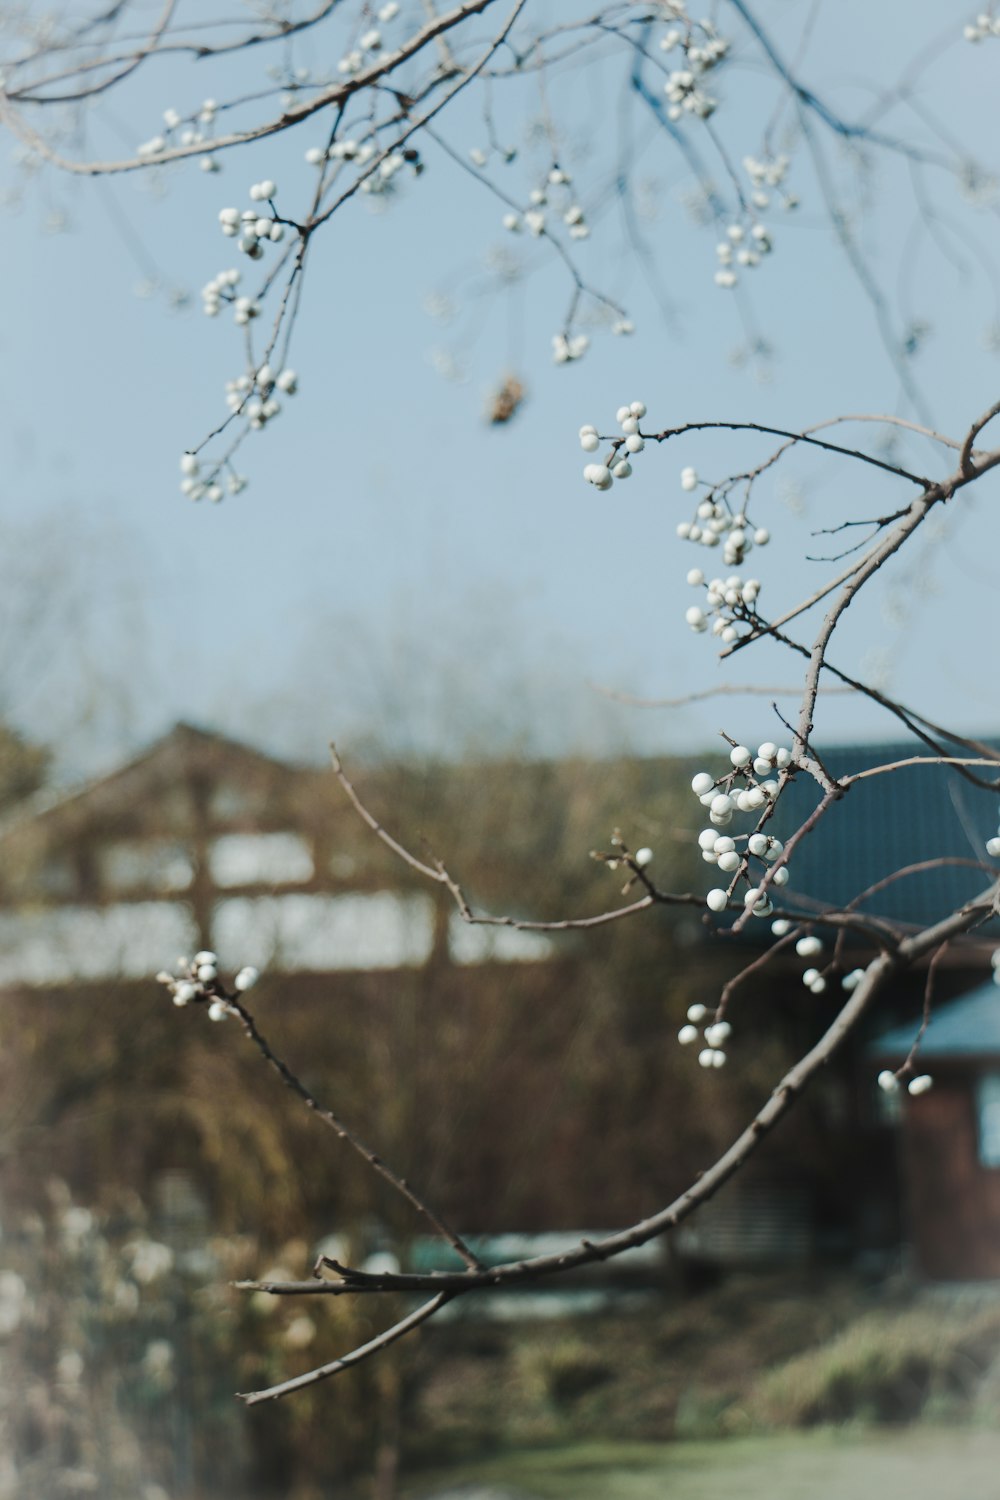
254 395
888 1082
207 487
983 26
768 174
359 152
189 136
716 1033
569 346
197 980
730 600
253 227
811 946
749 787
703 50
743 248
219 290
383 181
533 217
602 476
369 42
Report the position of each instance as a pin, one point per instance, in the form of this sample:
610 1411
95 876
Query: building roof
969 1027
907 817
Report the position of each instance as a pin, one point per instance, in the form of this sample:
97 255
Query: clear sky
396 565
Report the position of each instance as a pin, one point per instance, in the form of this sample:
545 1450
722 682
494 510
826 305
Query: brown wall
953 1202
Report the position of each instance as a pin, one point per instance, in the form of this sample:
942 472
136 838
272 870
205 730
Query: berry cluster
730 600
207 487
703 50
197 981
716 1033
745 248
617 465
768 174
349 150
889 1082
983 26
220 289
533 217
189 136
254 395
748 788
253 227
369 42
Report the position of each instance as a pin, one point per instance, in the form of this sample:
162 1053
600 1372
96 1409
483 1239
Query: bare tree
398 97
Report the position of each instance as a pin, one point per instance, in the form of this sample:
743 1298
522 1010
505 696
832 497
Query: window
988 1118
260 859
319 934
152 865
471 944
71 943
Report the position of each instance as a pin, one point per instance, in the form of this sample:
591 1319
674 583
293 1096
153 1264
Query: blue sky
396 566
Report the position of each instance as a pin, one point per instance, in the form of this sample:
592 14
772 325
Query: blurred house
529 1082
949 1138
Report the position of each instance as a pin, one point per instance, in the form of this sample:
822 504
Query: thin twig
354 1141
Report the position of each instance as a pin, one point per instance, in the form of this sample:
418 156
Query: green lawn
900 1465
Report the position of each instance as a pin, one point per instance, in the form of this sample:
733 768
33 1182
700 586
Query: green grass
916 1465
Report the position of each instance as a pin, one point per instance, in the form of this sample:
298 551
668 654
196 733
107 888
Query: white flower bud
697 1012
920 1085
887 1081
687 1035
689 479
716 900
246 978
739 755
643 857
702 783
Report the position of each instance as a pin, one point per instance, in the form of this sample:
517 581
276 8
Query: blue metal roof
917 813
969 1027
